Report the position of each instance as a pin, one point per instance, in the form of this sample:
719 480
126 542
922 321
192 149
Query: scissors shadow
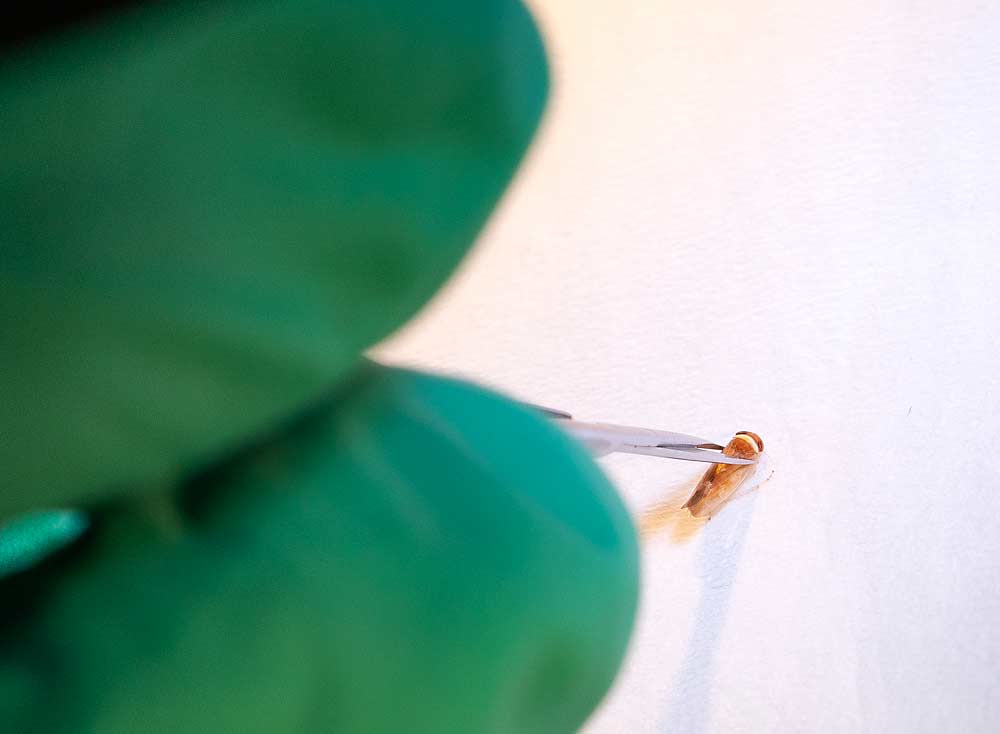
718 561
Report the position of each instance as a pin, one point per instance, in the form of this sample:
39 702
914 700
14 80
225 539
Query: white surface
781 217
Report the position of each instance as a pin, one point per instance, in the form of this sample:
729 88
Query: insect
720 483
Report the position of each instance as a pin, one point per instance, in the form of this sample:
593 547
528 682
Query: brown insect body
721 481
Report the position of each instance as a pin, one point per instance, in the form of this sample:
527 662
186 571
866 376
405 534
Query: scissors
607 438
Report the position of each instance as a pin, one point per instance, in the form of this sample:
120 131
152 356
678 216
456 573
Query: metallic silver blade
630 435
550 412
687 454
714 446
606 438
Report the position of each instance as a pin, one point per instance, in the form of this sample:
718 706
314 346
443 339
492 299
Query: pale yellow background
784 217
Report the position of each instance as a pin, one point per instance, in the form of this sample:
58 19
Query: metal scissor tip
607 438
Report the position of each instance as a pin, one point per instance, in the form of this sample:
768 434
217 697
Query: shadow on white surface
689 708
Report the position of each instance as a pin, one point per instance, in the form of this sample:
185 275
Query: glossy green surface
208 210
418 555
30 537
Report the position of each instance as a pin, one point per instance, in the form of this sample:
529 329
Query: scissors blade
631 435
686 454
550 412
606 438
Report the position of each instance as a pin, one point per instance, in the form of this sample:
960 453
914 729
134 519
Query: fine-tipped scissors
606 438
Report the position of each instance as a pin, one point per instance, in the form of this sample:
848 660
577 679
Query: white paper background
781 217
